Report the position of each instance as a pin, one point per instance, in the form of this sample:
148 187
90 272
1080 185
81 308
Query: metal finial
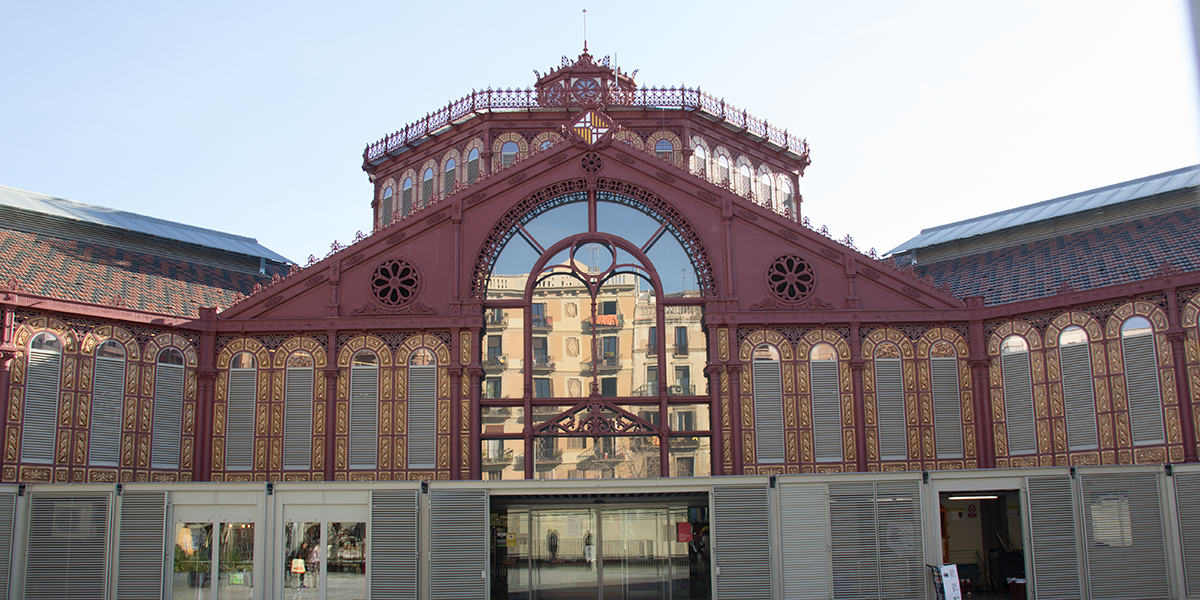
585 30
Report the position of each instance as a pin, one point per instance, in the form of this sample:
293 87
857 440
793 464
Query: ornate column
985 440
735 416
1186 407
713 373
331 377
860 415
476 373
206 378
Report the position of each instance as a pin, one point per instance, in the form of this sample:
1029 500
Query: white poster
950 582
574 526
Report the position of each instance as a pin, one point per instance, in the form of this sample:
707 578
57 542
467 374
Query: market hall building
591 348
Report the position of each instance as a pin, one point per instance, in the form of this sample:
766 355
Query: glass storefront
194 570
325 561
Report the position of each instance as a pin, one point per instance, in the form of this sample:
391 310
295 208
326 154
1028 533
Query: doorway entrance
982 535
604 552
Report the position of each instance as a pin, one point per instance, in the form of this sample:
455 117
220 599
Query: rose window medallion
790 278
395 282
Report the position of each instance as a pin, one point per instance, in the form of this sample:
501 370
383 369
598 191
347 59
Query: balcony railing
679 350
603 322
681 390
495 361
652 350
608 361
497 460
542 322
501 413
496 320
543 361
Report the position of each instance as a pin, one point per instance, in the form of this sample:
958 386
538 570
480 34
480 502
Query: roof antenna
585 30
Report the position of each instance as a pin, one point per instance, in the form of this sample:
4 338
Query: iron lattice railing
518 99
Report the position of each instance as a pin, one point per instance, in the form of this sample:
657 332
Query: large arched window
168 410
239 416
448 178
108 395
889 402
41 398
1077 389
826 404
1018 395
298 411
364 409
1141 381
947 407
473 165
768 405
422 409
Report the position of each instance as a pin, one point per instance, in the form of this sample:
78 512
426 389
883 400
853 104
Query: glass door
194 569
636 554
324 561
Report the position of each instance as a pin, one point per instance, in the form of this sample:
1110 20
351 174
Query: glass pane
346 562
637 552
502 459
192 562
236 564
503 419
690 456
558 223
689 554
510 554
302 560
563 566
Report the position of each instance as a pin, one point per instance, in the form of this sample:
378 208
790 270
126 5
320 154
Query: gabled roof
1057 207
99 215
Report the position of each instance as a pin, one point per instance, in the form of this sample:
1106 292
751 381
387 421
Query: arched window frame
298 399
406 197
1017 382
167 429
108 401
825 387
767 377
385 204
422 395
43 382
240 413
427 185
1143 390
473 166
364 409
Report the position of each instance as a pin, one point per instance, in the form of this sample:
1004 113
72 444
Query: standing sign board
950 582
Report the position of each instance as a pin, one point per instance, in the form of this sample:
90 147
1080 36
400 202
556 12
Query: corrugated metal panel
458 544
41 406
768 411
393 553
853 539
141 549
1187 491
422 416
108 400
297 419
168 416
67 547
741 542
804 528
364 420
1097 198
100 215
1141 384
889 403
1018 403
827 411
1125 549
1054 549
898 526
1079 396
239 420
947 407
8 505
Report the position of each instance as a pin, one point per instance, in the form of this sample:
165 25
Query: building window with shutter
744 180
789 201
297 412
947 406
473 165
723 168
239 416
41 398
406 197
700 161
385 207
108 395
1077 388
1018 395
768 405
168 410
508 153
664 150
448 178
889 403
427 188
422 409
1141 381
826 405
541 388
364 409
766 190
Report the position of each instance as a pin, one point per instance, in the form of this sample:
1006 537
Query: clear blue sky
251 117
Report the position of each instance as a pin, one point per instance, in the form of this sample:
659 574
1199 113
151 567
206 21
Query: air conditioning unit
675 390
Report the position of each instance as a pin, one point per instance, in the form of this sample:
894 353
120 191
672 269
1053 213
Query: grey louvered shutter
168 416
41 406
1079 396
947 407
108 395
297 419
889 403
8 505
768 411
364 422
827 411
1141 385
1187 491
1054 549
393 552
458 544
142 546
1018 403
741 542
898 527
804 529
239 419
67 547
855 554
1125 549
422 416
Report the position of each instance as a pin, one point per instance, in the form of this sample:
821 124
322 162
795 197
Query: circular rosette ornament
395 282
790 278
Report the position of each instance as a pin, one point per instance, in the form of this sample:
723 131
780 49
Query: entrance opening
981 534
600 548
